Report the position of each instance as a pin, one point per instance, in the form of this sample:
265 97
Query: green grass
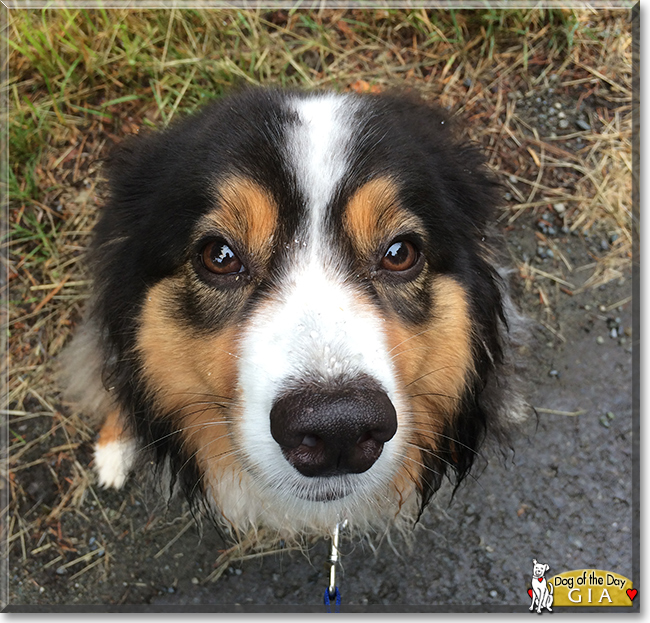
70 65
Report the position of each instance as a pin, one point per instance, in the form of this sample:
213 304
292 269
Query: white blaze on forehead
316 326
317 148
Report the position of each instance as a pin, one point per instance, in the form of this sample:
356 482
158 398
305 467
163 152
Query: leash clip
332 591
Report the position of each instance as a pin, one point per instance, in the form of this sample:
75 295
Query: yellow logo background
590 587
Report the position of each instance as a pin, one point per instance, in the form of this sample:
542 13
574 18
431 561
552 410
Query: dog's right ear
534 561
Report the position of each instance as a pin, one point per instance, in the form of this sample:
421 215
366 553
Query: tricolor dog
296 314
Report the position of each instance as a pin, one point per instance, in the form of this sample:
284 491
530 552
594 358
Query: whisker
410 338
207 394
425 435
203 426
432 372
408 350
439 458
435 394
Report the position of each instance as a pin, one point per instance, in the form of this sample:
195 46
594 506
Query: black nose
335 432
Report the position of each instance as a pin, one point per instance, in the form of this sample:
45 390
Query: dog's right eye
217 257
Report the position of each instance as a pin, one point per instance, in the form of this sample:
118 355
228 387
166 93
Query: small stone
513 179
564 229
561 115
604 421
559 208
508 196
613 334
564 124
467 82
60 570
554 373
493 593
604 245
551 231
541 252
602 308
538 100
557 105
170 589
600 339
610 415
613 238
628 331
583 125
622 341
587 307
238 571
550 253
195 580
575 541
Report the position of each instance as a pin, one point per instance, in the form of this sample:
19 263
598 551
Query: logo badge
541 592
582 587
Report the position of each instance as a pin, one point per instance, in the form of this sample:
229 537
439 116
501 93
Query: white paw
113 462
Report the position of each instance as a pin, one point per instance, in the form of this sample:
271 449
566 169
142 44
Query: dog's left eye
401 256
220 259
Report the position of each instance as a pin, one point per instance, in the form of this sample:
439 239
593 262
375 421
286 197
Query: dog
297 315
542 590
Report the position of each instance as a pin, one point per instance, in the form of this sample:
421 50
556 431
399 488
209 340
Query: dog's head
539 569
298 308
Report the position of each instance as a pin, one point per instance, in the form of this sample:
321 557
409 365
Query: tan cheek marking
433 364
188 377
373 214
248 214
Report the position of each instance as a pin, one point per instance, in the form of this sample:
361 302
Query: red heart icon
530 593
540 579
631 593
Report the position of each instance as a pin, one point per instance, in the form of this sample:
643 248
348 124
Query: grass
82 79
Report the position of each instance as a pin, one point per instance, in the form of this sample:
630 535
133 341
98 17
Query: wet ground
565 498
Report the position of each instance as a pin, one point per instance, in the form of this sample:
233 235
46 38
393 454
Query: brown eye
401 255
220 259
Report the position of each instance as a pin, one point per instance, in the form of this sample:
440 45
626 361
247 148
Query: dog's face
297 307
539 569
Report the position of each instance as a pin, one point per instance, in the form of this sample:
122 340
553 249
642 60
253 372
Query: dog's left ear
546 568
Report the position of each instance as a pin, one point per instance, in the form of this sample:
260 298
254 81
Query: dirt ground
564 498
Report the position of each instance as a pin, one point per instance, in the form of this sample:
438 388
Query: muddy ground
565 498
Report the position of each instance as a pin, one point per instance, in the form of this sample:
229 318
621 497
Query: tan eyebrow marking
246 213
374 214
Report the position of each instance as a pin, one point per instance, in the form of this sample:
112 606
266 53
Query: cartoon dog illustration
542 590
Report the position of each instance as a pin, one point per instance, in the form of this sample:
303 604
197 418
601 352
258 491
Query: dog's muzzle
327 433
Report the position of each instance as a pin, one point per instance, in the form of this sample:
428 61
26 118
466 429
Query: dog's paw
114 461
